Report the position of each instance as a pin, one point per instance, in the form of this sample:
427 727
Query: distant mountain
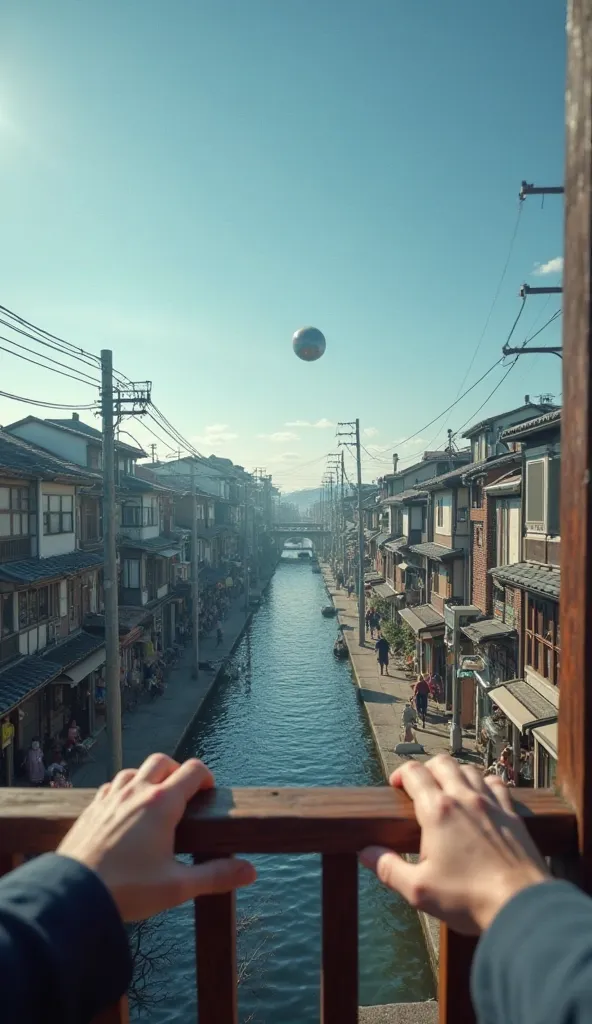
303 499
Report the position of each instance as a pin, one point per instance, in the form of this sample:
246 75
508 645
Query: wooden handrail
323 820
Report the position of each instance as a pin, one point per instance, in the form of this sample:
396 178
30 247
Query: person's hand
127 835
475 852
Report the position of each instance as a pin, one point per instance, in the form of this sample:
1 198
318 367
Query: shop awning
547 736
384 591
423 620
403 566
76 673
168 553
485 630
523 705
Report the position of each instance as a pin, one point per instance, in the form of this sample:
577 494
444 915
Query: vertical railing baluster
339 985
116 1014
454 997
215 950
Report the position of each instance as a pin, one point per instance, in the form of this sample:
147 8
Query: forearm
535 961
64 954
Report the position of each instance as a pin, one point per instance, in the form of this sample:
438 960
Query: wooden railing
337 823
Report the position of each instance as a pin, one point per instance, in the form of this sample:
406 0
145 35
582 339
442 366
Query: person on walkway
368 619
382 649
374 623
350 588
421 692
219 634
34 764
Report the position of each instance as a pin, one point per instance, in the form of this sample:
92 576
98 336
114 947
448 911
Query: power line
43 365
483 404
74 351
48 344
45 405
495 297
25 348
444 411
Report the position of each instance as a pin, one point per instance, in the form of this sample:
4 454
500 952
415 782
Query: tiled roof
74 650
34 570
22 678
422 617
138 485
22 459
542 579
129 617
78 427
487 629
384 591
530 406
493 462
397 545
152 545
548 419
411 494
382 537
437 551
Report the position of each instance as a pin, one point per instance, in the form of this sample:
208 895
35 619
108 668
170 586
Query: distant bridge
288 530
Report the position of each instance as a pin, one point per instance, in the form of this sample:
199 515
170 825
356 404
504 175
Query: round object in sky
309 343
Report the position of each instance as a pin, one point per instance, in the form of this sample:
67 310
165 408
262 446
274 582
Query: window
58 513
14 511
547 769
440 512
507 530
462 515
131 573
535 494
6 614
140 515
94 457
477 496
478 535
542 639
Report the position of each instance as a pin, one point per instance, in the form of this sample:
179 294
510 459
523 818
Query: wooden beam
575 719
324 820
339 981
454 994
215 953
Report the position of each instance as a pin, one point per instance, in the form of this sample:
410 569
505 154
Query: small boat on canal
303 554
329 611
340 650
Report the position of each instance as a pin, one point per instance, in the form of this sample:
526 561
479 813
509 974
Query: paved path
159 724
384 698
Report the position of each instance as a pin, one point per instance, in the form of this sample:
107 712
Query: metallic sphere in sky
309 343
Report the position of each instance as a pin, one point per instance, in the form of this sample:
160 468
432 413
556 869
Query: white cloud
370 431
287 457
554 266
280 436
216 433
321 424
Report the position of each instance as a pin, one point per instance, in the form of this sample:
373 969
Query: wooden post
339 988
575 718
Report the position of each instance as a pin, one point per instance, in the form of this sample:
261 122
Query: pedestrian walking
368 619
350 588
382 651
421 692
219 635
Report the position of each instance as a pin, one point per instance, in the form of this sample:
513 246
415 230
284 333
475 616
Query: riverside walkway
161 724
384 698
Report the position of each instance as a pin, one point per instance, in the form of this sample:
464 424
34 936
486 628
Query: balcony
13 549
334 822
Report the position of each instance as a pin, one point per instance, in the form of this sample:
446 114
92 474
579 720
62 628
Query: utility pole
246 568
194 578
153 451
112 684
354 434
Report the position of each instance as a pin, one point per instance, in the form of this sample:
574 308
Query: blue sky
187 183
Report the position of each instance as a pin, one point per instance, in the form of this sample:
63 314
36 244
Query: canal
292 719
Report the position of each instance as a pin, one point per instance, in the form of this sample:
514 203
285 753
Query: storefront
428 626
72 693
533 721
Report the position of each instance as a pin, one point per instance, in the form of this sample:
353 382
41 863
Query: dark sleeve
64 954
535 961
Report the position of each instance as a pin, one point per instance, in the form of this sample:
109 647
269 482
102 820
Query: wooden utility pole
361 545
112 684
194 578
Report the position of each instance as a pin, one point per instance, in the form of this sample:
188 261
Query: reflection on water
293 719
